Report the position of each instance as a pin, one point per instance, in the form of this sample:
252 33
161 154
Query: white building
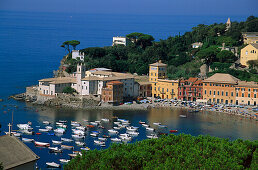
197 45
87 82
120 41
77 54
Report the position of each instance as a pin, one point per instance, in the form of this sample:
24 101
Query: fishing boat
117 128
66 147
27 140
64 161
105 120
183 116
133 133
157 123
59 123
44 130
90 126
38 133
24 127
82 128
94 134
152 136
99 142
49 127
62 121
66 140
106 136
173 131
59 130
116 139
80 143
116 123
145 125
94 123
46 122
112 131
55 149
102 139
78 136
53 164
78 132
42 144
149 129
75 124
141 122
55 142
130 128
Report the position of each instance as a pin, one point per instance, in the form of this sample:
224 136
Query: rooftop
247 84
254 45
59 80
222 78
159 63
115 82
166 80
13 152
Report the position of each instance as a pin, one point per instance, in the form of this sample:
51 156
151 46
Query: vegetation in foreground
172 152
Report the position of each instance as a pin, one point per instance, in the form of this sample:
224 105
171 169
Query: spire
228 22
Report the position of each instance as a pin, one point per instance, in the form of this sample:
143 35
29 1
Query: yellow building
246 93
220 88
250 52
162 87
250 37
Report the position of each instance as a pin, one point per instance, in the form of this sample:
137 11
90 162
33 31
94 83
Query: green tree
208 54
226 56
69 90
74 43
141 39
252 63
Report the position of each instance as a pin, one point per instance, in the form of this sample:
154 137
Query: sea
30 50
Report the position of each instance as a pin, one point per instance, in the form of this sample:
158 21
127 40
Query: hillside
177 52
172 152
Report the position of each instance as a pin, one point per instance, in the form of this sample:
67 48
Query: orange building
113 92
246 93
220 88
145 89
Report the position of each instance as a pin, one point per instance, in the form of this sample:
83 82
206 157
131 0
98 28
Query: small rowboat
106 136
55 149
152 136
43 144
80 143
55 142
66 140
78 136
99 142
38 133
173 131
85 149
64 161
66 147
53 164
140 122
90 126
102 139
27 140
157 123
94 134
105 120
183 116
112 131
145 125
46 122
149 129
116 139
44 130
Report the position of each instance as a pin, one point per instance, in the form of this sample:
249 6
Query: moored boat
53 164
80 143
112 131
173 131
46 122
44 130
55 142
27 140
42 144
99 142
152 136
66 140
183 116
157 123
105 120
149 129
116 139
66 147
64 160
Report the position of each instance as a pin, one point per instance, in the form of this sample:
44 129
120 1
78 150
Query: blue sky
156 7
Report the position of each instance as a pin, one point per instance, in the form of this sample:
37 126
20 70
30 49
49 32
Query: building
190 89
145 89
197 45
234 50
161 86
250 37
113 92
14 154
250 52
220 88
77 54
246 93
120 41
228 24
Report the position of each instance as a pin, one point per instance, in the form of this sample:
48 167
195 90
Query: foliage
252 63
1 166
68 44
69 90
141 39
226 56
172 152
208 54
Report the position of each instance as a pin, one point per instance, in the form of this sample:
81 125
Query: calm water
30 50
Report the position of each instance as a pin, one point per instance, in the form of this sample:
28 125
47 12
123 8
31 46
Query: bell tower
80 74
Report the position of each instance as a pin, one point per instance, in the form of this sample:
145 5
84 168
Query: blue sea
30 50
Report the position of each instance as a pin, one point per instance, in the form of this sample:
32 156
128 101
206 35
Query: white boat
121 126
94 134
43 144
130 128
105 120
64 161
102 139
163 126
116 123
116 139
62 121
99 142
14 134
24 127
55 142
117 128
27 132
66 140
145 125
27 140
59 130
133 133
78 136
46 122
126 138
75 124
183 116
126 123
78 132
80 143
49 127
62 126
157 123
97 121
152 136
53 164
55 149
112 131
82 128
85 149
44 130
66 147
94 123
149 129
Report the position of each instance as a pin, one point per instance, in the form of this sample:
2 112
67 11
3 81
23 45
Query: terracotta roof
59 80
198 82
254 45
192 79
88 78
14 153
159 63
115 82
222 78
247 84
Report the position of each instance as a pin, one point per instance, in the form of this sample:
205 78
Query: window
249 89
248 95
172 90
231 101
236 94
204 91
210 92
254 95
232 94
205 84
167 90
217 100
222 93
214 92
226 93
243 94
218 93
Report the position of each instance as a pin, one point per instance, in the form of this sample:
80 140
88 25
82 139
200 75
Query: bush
69 90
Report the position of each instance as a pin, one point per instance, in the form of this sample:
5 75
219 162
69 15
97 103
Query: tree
66 45
69 90
252 63
208 54
72 43
141 39
226 56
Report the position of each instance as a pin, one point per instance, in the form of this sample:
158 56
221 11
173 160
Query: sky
147 7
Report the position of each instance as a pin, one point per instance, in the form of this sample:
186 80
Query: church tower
80 74
228 24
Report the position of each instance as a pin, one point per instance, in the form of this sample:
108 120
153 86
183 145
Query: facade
190 89
14 154
120 41
246 93
77 54
228 24
145 89
197 45
250 52
220 88
250 37
113 92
